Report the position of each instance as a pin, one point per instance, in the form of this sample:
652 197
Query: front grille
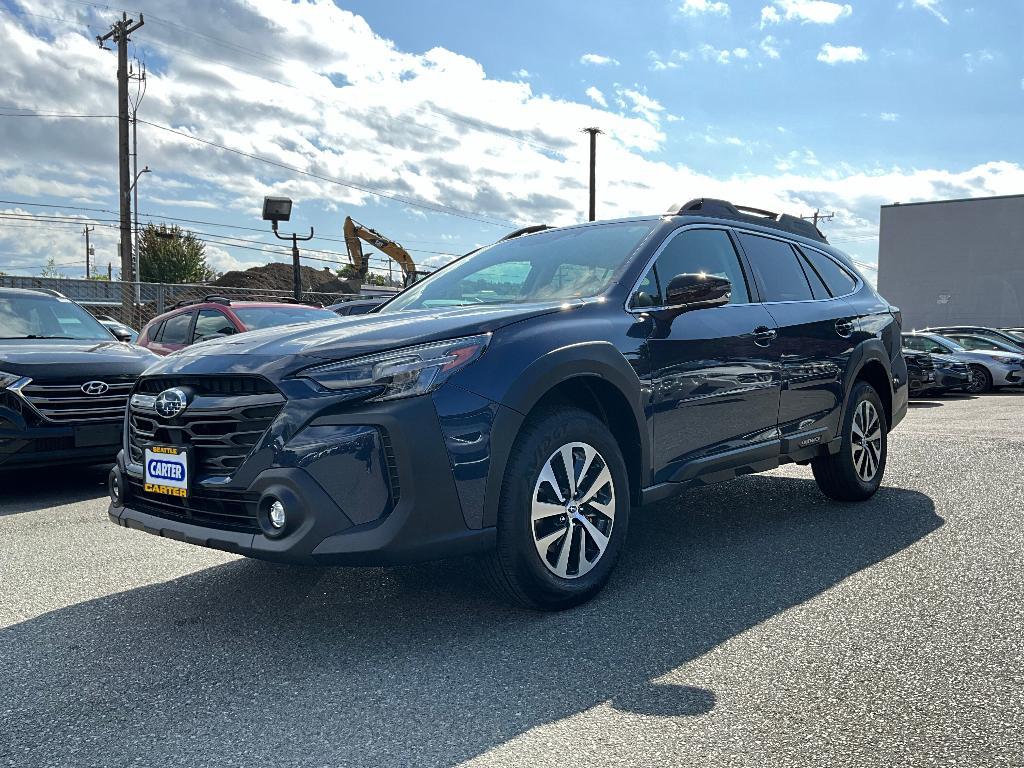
219 431
64 402
227 510
208 386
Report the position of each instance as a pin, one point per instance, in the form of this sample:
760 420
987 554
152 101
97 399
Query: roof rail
212 299
709 206
525 231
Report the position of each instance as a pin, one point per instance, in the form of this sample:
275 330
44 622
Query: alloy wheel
866 441
573 510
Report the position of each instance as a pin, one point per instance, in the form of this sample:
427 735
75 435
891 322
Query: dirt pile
278 277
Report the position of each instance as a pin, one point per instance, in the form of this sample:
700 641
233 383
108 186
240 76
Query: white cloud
642 104
522 74
740 53
769 46
598 60
596 96
977 58
889 117
841 54
673 61
932 6
700 7
805 11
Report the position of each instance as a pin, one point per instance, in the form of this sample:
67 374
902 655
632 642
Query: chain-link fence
102 297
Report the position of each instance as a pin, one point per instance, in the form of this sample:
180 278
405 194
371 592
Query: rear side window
175 330
839 281
775 264
708 251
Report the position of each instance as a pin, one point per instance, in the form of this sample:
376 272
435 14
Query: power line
433 207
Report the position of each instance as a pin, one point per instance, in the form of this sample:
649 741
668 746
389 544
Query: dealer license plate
166 471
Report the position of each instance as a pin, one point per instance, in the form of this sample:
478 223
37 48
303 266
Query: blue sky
475 109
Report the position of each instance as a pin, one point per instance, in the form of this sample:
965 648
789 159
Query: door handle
844 328
763 335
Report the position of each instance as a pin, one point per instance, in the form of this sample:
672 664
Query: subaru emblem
95 387
170 403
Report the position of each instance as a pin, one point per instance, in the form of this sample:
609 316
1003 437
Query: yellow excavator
355 232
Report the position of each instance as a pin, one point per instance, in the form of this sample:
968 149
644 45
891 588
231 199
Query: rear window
775 263
254 318
839 281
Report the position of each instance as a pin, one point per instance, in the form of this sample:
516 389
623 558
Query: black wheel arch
591 375
870 362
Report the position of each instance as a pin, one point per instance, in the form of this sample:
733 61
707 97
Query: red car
216 316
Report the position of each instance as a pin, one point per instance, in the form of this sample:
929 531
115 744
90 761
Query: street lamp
276 209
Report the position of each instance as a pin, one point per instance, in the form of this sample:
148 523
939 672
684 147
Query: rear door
814 343
715 372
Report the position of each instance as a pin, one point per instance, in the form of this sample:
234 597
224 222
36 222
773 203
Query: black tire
981 381
838 474
515 568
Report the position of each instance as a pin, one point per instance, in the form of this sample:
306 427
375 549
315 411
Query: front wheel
981 380
855 471
563 513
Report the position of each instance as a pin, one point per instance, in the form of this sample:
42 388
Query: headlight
403 372
6 379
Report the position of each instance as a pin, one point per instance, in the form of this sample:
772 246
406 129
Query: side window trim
753 291
858 283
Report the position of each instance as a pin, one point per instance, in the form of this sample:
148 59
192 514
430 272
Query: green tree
50 270
172 255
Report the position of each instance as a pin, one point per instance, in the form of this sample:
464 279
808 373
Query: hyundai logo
95 387
170 403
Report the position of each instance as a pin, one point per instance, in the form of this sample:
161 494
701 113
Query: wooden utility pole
593 170
119 32
819 216
88 250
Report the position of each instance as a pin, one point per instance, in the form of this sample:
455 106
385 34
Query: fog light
114 486
277 516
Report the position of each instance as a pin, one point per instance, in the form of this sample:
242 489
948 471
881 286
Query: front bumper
1007 376
369 486
25 447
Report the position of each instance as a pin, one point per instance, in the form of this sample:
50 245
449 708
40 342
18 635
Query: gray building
954 261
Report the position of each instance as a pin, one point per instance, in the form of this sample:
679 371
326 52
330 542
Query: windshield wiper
38 336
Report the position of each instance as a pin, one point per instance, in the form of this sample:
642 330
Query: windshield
46 317
547 266
946 345
255 318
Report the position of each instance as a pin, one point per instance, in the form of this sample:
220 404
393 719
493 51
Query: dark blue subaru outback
520 401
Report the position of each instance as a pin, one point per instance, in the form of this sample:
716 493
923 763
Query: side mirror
121 334
697 291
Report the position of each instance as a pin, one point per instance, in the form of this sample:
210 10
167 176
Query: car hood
276 351
67 359
988 354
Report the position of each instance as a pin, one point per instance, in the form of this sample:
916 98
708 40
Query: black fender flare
871 350
594 359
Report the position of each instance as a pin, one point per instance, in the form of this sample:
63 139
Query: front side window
775 264
175 329
547 266
31 316
212 322
694 251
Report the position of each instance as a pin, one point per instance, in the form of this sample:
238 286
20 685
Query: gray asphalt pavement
753 623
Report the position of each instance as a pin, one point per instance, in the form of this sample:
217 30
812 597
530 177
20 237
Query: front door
715 373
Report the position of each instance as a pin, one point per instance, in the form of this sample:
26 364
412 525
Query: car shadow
924 404
421 665
29 490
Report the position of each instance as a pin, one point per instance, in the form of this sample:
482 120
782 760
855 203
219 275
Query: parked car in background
216 316
989 369
64 382
356 306
520 400
120 331
920 372
1016 345
976 342
1016 333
